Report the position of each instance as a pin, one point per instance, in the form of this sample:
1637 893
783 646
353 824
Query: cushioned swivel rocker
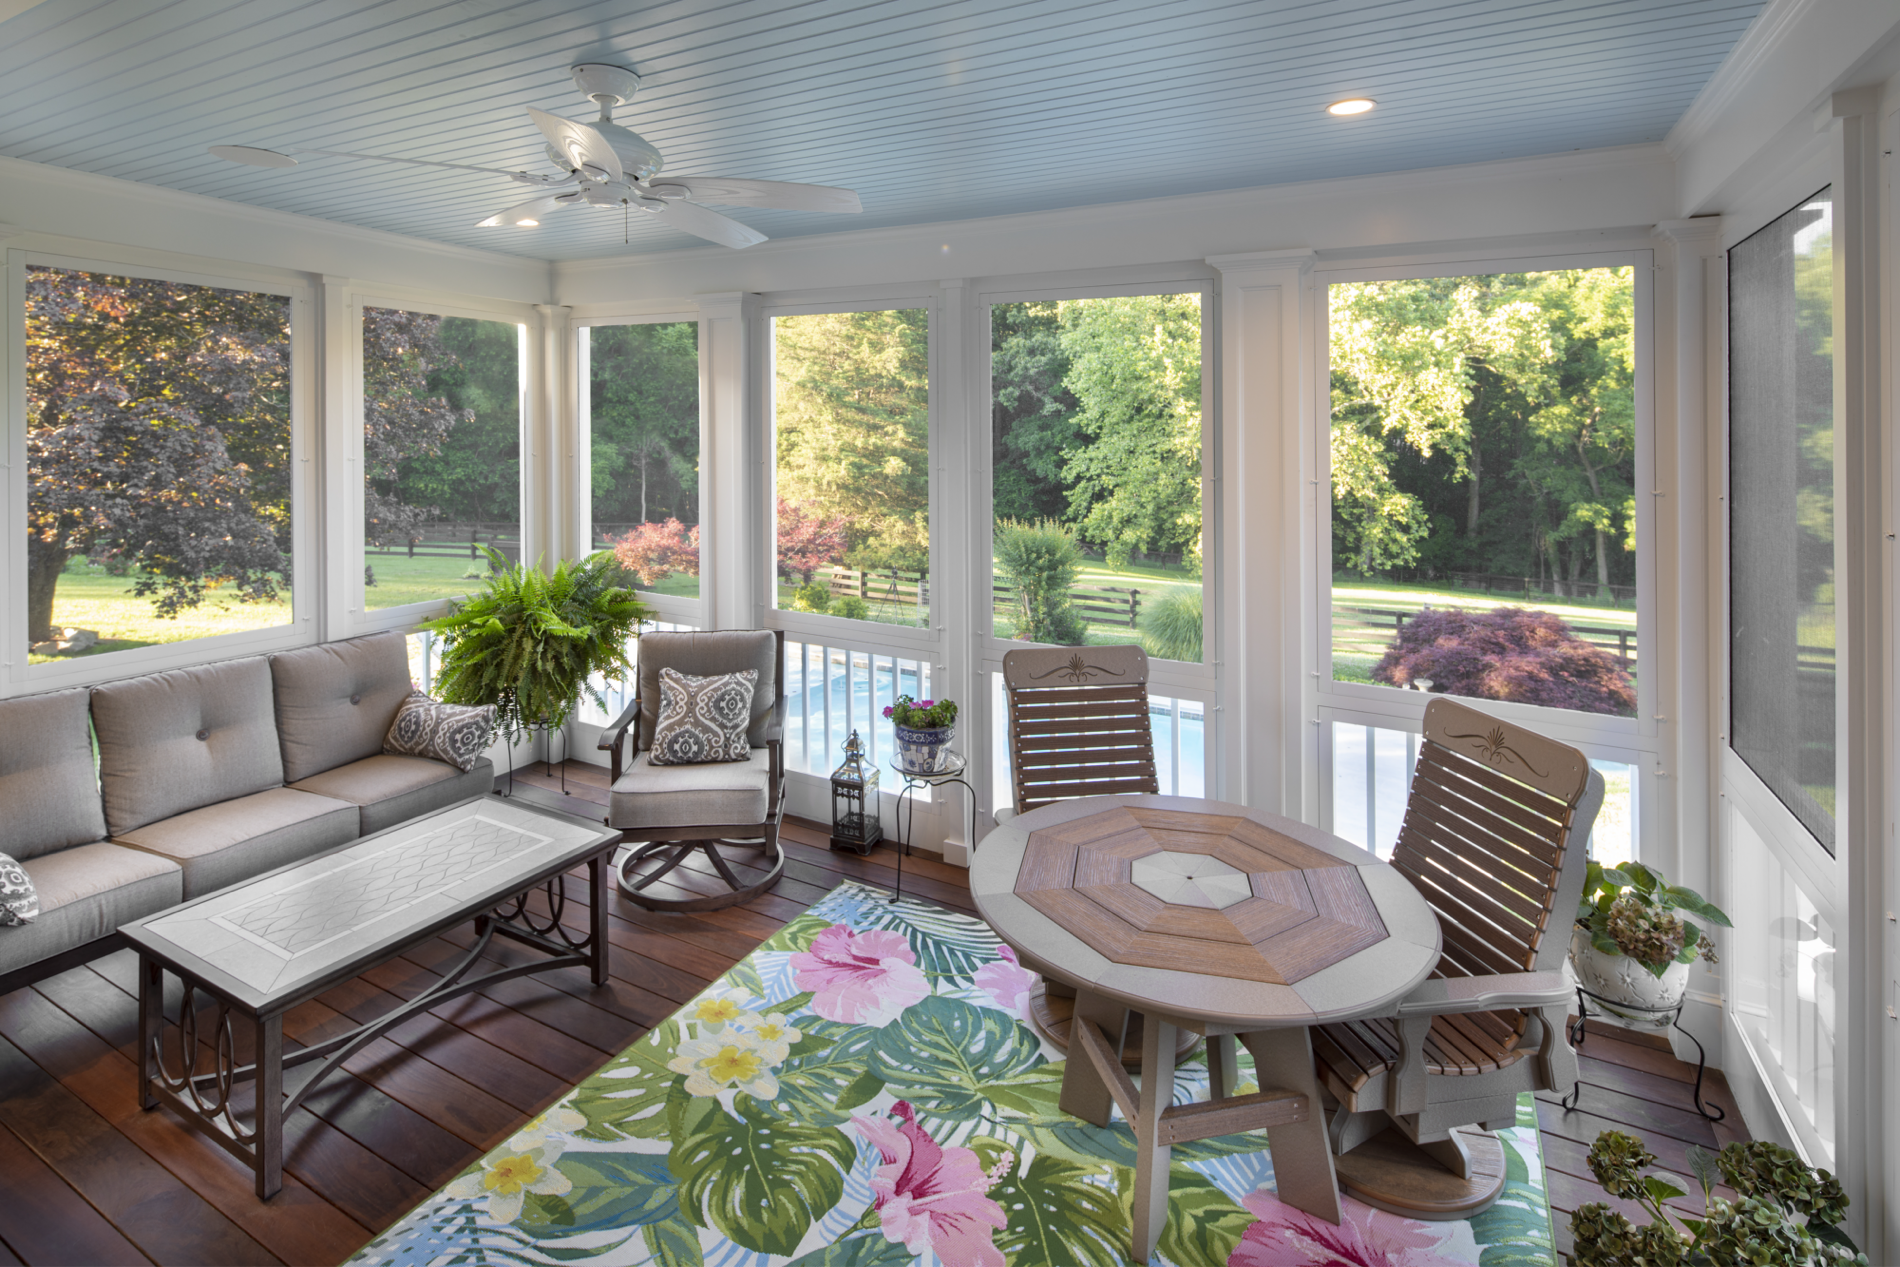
696 798
1494 837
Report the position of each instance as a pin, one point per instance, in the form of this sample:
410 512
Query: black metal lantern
854 816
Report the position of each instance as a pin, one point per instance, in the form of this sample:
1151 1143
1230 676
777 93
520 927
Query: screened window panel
1781 510
643 435
441 453
159 462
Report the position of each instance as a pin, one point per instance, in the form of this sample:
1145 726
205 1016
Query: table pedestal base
1050 1016
1389 1172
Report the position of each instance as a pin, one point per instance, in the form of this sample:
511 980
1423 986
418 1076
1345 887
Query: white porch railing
831 691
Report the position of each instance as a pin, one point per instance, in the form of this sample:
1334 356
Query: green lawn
87 598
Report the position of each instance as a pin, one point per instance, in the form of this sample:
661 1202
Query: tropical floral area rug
864 1091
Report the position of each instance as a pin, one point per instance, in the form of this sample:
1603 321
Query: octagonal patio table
1223 920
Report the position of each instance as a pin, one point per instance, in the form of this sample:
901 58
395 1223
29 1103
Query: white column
734 475
959 578
543 443
339 460
1265 466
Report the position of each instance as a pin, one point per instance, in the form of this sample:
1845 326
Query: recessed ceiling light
1354 105
527 224
251 156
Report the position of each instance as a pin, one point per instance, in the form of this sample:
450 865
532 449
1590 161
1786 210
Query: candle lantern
854 816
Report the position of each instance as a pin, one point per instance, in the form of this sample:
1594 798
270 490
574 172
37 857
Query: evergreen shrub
1039 561
1508 653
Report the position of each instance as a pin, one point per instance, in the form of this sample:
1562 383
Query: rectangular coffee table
260 948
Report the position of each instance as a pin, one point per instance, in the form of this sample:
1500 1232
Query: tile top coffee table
262 947
1218 919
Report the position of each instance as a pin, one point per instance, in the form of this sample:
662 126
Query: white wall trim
1763 39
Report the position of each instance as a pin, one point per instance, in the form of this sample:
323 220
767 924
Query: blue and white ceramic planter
920 751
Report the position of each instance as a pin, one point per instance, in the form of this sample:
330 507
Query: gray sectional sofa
203 777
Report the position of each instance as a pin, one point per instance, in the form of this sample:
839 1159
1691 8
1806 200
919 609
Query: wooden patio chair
1494 837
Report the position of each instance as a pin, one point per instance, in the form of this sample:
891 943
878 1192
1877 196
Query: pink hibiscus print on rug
1008 983
1365 1237
933 1198
859 978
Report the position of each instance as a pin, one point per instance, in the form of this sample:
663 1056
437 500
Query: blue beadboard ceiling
932 110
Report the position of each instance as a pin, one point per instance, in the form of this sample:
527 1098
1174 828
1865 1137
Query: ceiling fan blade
530 210
583 146
703 222
734 191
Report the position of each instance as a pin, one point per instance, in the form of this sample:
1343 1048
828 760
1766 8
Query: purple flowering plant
922 715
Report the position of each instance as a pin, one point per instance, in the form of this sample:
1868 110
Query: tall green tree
853 416
403 418
1032 412
474 474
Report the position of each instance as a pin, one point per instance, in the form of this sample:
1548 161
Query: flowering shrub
928 715
1508 653
808 541
654 551
1631 910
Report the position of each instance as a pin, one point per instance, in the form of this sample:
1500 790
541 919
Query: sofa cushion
724 793
392 789
86 892
218 845
171 742
47 779
335 702
702 655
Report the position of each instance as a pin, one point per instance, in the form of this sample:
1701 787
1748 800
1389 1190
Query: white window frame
349 614
1638 740
306 509
666 608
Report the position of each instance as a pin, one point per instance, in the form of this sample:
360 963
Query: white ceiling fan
605 165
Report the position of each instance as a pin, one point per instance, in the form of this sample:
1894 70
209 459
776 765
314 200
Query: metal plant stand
1712 1112
952 772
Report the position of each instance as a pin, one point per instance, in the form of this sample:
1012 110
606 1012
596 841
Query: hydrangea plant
1631 910
1786 1214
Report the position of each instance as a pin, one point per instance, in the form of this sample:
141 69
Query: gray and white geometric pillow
703 719
19 901
455 733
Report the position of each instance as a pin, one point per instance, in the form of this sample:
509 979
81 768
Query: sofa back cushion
704 654
169 742
335 702
47 781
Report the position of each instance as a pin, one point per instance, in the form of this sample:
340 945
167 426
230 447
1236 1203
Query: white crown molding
93 185
1498 171
1759 43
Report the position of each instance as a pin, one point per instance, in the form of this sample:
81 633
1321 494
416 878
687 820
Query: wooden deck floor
90 1178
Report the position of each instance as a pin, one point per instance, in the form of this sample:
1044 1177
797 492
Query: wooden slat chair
1078 723
1078 726
1494 837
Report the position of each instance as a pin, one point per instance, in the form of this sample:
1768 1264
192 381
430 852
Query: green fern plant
529 642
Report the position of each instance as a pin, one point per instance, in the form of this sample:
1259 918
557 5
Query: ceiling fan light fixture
526 223
1351 105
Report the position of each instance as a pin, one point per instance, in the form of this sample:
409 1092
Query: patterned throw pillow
703 719
455 733
19 901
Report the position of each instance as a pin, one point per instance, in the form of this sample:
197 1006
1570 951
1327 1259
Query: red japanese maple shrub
1508 653
654 551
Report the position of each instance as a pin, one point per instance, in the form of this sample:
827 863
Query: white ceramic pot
1620 979
920 749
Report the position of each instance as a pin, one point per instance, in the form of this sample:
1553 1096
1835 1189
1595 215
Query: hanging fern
530 641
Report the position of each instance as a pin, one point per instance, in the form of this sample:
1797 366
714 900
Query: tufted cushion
703 718
702 655
335 702
47 780
455 733
724 794
171 742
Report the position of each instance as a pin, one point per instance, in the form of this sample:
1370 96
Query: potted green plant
1631 945
529 641
922 731
1785 1212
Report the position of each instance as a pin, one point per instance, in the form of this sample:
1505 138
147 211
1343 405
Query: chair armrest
1444 996
613 738
775 729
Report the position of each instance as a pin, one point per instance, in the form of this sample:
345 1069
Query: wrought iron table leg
269 1117
151 1027
597 921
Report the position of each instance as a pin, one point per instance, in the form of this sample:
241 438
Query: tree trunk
44 562
1603 567
1471 500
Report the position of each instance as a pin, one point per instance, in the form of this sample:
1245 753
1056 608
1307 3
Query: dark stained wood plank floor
93 1179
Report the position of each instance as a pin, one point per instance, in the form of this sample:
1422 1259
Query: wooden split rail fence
1096 604
457 541
1373 621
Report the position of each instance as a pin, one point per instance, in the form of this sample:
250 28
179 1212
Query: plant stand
952 772
547 737
1712 1112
